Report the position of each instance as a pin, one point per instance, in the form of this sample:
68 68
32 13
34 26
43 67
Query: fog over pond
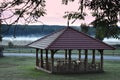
27 40
25 34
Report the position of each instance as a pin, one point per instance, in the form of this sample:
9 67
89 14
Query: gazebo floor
73 67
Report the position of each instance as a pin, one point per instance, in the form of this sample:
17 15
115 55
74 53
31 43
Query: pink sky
56 10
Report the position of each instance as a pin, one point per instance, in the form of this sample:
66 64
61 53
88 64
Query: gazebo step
42 69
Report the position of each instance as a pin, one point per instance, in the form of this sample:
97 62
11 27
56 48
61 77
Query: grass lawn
22 68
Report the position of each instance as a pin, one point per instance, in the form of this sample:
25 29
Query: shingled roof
68 38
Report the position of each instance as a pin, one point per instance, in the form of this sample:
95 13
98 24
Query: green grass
22 68
19 50
112 52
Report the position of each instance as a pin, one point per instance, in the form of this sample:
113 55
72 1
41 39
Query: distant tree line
29 30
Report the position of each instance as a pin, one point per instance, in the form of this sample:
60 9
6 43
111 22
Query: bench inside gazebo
67 40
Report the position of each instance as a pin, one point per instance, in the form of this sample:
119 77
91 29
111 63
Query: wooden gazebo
68 40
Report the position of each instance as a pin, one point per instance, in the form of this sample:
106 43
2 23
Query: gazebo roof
68 38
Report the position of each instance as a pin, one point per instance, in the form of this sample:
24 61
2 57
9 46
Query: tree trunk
1 47
1 51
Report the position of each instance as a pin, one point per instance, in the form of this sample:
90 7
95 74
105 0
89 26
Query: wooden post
79 54
86 60
66 54
37 60
93 57
101 52
47 59
52 61
41 56
69 62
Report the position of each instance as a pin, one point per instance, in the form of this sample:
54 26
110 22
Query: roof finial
68 23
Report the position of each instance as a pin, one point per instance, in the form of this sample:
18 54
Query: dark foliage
106 16
29 30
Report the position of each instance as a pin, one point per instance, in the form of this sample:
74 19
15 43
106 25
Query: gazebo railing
75 66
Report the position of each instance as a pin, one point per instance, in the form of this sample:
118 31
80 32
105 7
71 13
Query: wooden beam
79 54
93 57
41 56
54 51
86 60
52 60
69 60
65 54
101 52
47 59
37 60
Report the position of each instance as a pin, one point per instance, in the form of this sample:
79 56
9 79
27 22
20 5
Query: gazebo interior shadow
67 64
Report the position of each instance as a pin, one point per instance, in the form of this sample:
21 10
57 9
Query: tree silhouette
22 10
27 11
106 16
84 28
1 48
